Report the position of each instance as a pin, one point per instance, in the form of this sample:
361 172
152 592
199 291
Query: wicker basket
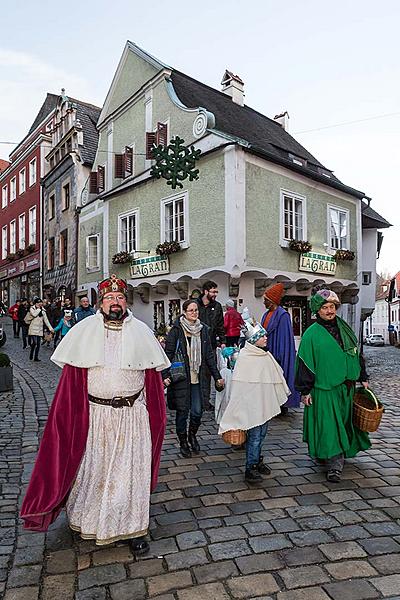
367 410
234 437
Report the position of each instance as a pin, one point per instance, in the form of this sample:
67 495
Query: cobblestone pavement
293 537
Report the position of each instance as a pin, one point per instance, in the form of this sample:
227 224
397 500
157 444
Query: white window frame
4 196
91 269
13 188
13 236
22 181
4 242
32 231
330 207
284 242
185 243
21 230
126 215
32 171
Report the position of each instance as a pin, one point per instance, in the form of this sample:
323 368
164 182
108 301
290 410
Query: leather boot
262 467
194 444
183 442
252 475
139 545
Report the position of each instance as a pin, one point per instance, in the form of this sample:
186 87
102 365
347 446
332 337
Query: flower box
121 258
300 246
344 255
168 248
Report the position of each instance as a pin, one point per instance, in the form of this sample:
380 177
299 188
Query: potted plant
121 258
31 248
20 253
6 373
344 255
300 246
11 256
168 248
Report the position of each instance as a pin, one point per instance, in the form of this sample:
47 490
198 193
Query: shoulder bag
177 369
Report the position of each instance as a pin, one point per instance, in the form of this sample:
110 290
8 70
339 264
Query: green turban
322 297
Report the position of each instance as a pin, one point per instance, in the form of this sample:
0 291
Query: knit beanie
229 303
275 293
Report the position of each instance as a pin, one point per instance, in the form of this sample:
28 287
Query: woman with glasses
190 338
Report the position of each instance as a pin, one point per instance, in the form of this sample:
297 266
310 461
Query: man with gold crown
101 447
328 366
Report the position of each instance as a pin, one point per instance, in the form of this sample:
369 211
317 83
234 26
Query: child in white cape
258 390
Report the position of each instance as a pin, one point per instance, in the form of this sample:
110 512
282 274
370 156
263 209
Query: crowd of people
107 421
42 322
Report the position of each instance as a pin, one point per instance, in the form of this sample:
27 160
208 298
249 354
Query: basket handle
375 399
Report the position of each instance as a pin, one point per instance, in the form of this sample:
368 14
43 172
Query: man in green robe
327 367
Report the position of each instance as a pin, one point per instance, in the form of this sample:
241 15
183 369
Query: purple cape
281 345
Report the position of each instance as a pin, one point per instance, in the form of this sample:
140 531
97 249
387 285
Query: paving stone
92 594
298 512
350 569
169 581
259 528
83 561
22 593
223 550
166 531
297 556
180 516
339 550
62 561
28 556
350 532
309 538
186 559
285 525
215 571
162 547
382 545
387 564
269 543
301 576
226 533
259 562
209 591
191 539
110 555
146 568
357 589
382 529
208 512
347 517
309 593
95 576
61 587
128 590
246 507
21 576
387 585
247 585
313 499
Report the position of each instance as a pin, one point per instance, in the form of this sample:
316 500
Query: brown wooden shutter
119 166
128 161
162 134
93 183
151 139
100 178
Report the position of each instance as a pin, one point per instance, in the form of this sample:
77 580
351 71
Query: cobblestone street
213 537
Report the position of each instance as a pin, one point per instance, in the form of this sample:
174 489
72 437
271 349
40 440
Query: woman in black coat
192 338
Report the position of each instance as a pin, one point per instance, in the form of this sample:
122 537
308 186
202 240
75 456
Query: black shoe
37 360
284 412
139 546
263 468
333 476
252 475
194 444
184 446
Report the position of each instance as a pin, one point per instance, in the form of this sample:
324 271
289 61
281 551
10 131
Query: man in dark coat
211 313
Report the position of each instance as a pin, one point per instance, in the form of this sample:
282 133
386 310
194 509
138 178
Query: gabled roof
264 136
4 164
371 219
48 105
88 114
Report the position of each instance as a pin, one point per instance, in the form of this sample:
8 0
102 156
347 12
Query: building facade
21 207
258 191
73 142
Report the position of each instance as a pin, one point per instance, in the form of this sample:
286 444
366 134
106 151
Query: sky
334 66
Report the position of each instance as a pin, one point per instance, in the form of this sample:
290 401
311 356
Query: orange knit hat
275 293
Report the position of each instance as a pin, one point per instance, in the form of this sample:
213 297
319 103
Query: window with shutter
93 183
162 134
119 166
128 161
101 173
151 140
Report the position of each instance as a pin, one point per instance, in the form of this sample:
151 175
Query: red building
20 210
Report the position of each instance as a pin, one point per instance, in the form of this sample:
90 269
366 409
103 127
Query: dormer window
301 162
324 172
156 138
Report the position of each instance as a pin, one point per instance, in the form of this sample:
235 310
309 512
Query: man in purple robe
276 321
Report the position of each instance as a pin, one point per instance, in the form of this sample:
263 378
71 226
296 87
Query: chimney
283 120
233 86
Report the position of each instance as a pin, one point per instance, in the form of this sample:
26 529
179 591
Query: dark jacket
178 394
22 312
213 316
81 313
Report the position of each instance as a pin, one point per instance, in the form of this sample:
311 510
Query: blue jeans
254 442
195 408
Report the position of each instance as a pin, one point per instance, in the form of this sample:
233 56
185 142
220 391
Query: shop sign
150 266
313 262
32 262
3 273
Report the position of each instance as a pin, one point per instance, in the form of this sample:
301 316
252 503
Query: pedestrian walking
55 313
65 323
101 447
190 339
328 366
258 389
23 310
84 309
36 327
211 313
276 321
233 323
13 312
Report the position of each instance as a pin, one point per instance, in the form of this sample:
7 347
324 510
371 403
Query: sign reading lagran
149 266
317 263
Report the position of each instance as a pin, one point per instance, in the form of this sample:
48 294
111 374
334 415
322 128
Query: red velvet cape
64 441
